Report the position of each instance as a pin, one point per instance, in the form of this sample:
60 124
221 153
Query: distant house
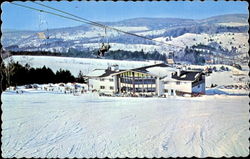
185 82
153 80
101 80
170 61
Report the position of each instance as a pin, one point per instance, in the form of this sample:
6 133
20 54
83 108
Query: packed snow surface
50 124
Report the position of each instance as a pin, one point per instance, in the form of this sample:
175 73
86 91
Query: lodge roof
170 61
187 75
109 72
102 72
144 69
190 75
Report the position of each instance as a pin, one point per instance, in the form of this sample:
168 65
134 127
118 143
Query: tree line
16 74
137 55
193 56
115 55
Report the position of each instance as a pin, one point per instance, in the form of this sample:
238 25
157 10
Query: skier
103 49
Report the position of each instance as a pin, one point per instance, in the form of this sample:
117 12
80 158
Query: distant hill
169 30
154 23
237 18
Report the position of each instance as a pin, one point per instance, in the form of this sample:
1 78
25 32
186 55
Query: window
111 87
166 82
111 79
102 87
178 83
150 89
172 92
165 90
102 79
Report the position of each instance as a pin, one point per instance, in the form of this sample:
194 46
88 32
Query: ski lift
41 35
104 47
43 22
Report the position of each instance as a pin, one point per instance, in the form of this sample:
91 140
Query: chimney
178 72
115 67
109 67
184 67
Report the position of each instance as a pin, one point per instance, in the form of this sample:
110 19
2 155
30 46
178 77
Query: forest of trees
193 56
116 55
15 74
137 55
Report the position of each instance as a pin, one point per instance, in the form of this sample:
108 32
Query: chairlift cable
48 12
102 25
83 20
68 14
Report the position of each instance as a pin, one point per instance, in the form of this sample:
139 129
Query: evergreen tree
80 78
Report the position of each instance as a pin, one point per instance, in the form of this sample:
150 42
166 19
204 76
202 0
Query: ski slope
226 40
75 65
50 124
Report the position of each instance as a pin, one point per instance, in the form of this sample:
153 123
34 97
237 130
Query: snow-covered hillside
232 24
226 40
75 65
226 30
48 124
129 47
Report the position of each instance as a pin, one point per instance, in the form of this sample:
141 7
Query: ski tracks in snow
121 127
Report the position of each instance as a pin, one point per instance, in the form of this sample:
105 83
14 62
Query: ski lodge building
153 80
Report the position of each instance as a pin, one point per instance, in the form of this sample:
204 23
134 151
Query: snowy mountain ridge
169 30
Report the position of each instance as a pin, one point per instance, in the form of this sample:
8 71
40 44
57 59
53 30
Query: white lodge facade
102 81
154 80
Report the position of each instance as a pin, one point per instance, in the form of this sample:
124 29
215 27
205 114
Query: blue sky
18 18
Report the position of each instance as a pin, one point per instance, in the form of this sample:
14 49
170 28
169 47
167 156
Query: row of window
135 74
103 79
138 81
171 91
177 82
138 77
103 87
130 89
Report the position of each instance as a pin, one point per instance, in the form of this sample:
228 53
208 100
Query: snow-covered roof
170 61
160 71
96 73
187 75
102 73
157 70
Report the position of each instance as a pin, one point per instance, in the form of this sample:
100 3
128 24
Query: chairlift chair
104 47
43 34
